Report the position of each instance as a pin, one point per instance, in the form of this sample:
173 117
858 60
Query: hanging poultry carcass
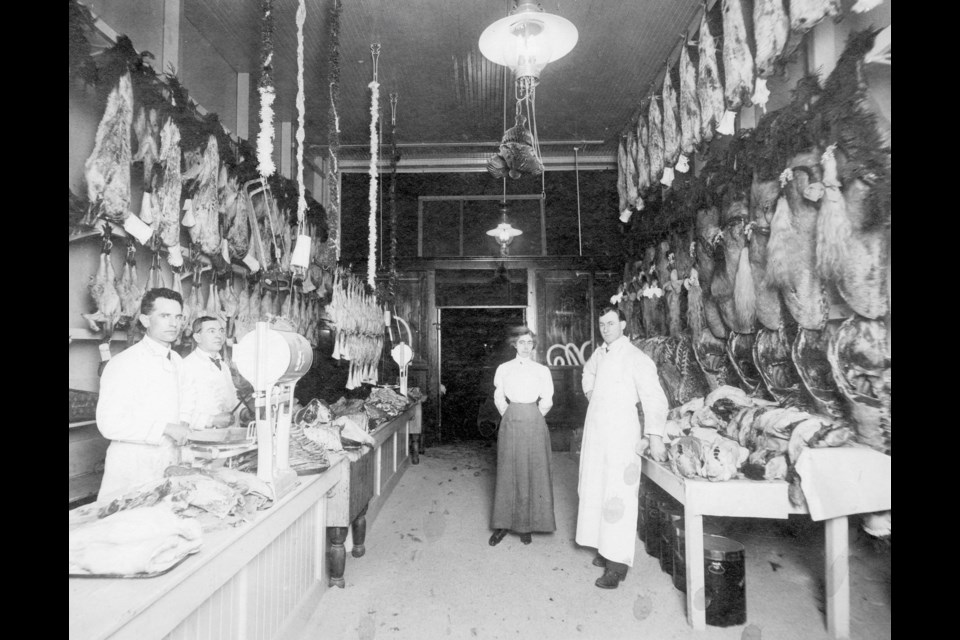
738 67
168 191
206 201
229 305
194 303
791 251
129 290
146 128
103 290
177 286
243 324
622 174
709 88
212 307
631 147
689 103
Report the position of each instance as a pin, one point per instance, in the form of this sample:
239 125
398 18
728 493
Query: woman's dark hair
607 308
146 304
516 333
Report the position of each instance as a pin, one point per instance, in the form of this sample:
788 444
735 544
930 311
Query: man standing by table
618 380
208 396
139 405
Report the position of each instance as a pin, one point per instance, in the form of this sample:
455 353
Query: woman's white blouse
523 380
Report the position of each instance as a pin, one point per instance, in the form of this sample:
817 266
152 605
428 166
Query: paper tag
625 215
225 250
137 228
251 263
301 252
188 219
725 126
105 351
683 165
668 176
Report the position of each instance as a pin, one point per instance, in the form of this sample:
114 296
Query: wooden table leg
415 448
696 608
838 578
359 532
338 555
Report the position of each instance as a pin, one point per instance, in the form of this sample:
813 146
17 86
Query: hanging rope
267 94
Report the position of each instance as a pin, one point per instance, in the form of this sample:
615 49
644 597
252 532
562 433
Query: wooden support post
837 578
696 596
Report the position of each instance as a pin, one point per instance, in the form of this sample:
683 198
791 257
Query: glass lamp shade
528 39
504 233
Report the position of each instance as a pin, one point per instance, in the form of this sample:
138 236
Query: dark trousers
618 568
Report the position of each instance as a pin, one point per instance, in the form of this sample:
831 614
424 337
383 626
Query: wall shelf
84 334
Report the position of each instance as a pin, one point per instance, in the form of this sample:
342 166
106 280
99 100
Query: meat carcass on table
655 149
169 190
671 123
689 104
791 251
107 170
709 89
737 59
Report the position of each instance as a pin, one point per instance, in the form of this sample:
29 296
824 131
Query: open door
473 342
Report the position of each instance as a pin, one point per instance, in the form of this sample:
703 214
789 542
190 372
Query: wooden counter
259 581
366 483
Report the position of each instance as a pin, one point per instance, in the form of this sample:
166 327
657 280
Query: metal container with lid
725 581
679 551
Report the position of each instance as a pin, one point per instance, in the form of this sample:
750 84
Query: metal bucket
725 581
679 551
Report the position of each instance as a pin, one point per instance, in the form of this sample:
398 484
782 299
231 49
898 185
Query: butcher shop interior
480 319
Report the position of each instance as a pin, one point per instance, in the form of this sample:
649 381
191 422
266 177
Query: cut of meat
643 159
806 14
709 89
671 126
107 170
771 28
737 60
655 150
689 104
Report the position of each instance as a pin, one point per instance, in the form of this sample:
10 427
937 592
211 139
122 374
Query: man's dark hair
198 323
607 308
518 332
146 304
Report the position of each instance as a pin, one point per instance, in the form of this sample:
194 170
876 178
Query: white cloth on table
609 463
205 390
525 381
841 481
139 397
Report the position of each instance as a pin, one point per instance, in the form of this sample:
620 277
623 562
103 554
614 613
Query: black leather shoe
600 562
497 536
525 538
609 580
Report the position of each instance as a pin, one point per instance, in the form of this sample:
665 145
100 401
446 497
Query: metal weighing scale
272 360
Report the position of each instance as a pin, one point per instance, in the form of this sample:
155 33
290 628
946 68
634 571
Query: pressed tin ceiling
451 98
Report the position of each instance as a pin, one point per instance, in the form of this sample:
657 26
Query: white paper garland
301 114
374 116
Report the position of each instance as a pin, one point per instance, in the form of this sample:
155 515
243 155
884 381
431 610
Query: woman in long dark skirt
523 498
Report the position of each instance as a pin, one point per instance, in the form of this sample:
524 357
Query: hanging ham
709 89
771 28
791 251
655 150
671 126
737 59
763 198
107 170
622 173
643 160
689 104
631 147
806 14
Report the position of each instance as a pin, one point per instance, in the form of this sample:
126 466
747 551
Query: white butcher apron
609 463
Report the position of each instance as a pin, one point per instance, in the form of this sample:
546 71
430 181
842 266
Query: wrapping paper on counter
844 480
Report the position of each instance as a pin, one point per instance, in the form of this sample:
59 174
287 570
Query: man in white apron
616 378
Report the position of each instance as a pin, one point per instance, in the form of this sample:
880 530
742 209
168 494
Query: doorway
473 343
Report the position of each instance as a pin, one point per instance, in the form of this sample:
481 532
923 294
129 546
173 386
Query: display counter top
153 607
